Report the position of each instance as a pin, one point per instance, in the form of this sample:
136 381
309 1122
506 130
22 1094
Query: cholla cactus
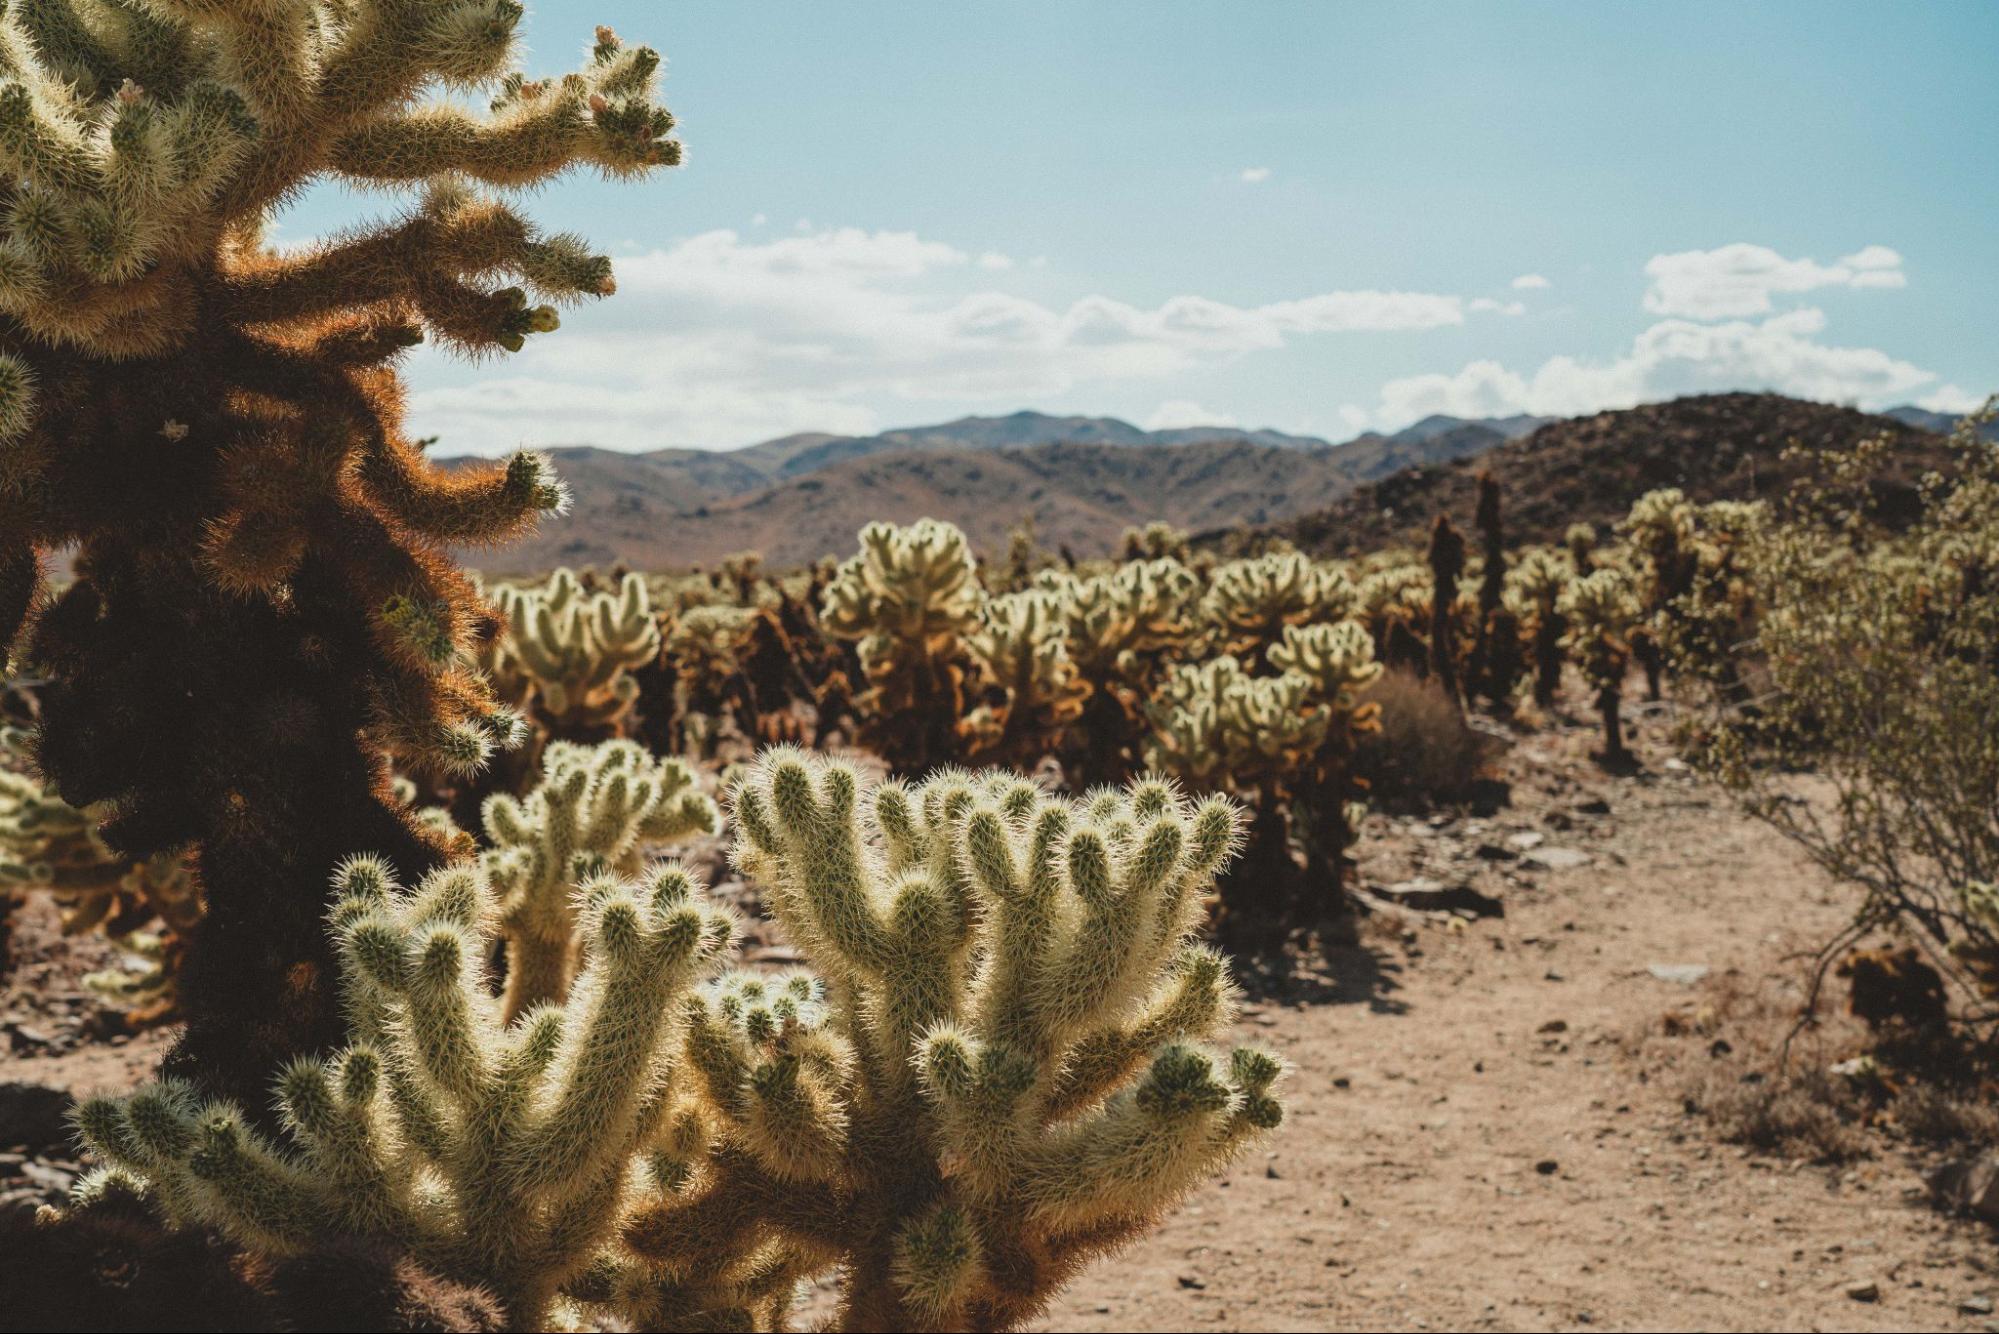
49 847
567 655
997 1083
1220 728
1660 530
1035 690
909 597
1250 602
1535 586
598 810
1602 609
1124 627
1496 664
1580 540
1157 540
705 646
264 602
494 1154
1447 564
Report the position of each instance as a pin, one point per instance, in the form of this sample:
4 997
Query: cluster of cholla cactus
150 906
1602 610
1125 629
264 609
565 654
996 1077
909 597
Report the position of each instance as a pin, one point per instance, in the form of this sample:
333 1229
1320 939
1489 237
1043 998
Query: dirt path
1492 1135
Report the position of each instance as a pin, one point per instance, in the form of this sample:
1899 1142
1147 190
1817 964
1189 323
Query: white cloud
1671 358
1736 281
1178 412
1255 175
1485 304
722 339
1530 282
759 219
995 261
1950 398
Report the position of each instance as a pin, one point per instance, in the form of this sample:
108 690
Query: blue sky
1318 217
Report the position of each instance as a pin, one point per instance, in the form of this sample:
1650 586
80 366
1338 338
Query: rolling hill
1590 469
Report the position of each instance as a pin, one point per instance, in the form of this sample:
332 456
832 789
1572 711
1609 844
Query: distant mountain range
1083 480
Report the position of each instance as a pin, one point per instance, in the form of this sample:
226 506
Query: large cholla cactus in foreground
597 810
909 597
494 1154
263 607
566 655
996 1080
999 1083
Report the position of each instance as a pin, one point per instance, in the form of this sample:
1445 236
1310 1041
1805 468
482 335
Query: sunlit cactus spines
1157 540
598 810
1602 609
1250 602
999 1082
1034 689
1124 626
495 1153
566 654
1535 586
909 597
264 608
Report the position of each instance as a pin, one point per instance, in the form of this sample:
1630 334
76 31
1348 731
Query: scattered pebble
1680 974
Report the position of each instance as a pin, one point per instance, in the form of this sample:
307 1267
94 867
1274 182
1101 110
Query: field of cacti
927 938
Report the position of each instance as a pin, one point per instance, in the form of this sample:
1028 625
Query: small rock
1426 895
1547 1167
1194 1281
1679 974
1976 1304
1527 841
1493 852
1594 806
1970 1186
1555 859
1864 1290
1270 1171
1554 1026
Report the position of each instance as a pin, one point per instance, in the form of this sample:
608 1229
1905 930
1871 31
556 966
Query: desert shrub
995 1078
1421 751
1875 653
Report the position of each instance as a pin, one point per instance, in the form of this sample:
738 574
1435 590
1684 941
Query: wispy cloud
1254 175
1530 282
722 339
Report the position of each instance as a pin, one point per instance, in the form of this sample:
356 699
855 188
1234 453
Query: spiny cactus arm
1196 1000
1187 1117
775 1076
646 943
605 116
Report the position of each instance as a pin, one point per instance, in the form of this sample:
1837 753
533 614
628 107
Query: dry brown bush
1425 752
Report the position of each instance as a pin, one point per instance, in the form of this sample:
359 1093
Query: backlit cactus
1602 609
597 810
1034 690
998 1082
493 1153
566 654
909 597
1250 602
1124 627
1535 587
264 609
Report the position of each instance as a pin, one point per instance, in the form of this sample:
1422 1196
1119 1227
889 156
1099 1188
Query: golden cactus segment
567 654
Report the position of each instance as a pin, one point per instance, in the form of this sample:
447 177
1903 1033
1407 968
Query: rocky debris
1679 974
1426 895
1864 1290
1555 859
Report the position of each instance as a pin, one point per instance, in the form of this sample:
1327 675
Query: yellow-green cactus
567 655
597 810
495 1153
1035 690
909 597
1602 609
1249 602
998 1082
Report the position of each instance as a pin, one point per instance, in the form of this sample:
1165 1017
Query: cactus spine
566 655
